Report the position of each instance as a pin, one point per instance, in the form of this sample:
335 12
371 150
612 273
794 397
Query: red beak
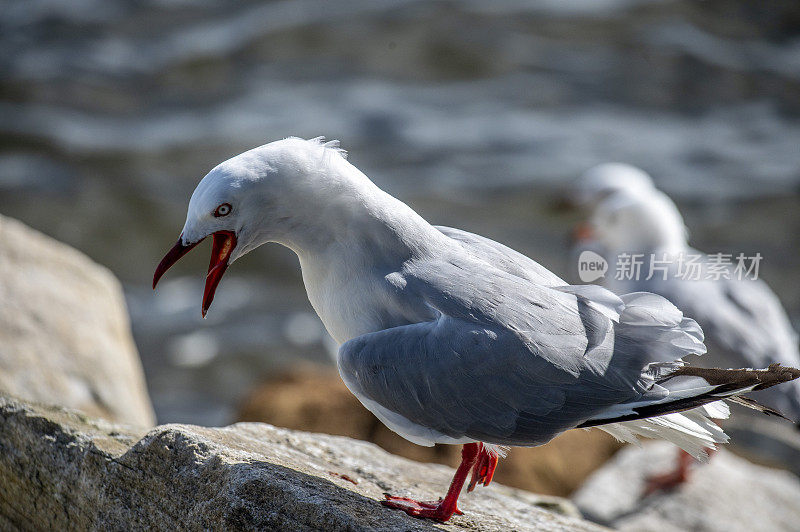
224 244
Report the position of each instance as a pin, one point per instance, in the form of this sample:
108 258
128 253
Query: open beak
223 246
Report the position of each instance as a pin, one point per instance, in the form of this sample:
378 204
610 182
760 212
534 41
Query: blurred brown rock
65 338
315 399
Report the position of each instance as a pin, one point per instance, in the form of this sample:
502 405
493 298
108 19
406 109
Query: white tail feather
693 431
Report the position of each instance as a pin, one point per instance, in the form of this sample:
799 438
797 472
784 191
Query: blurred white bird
449 337
743 320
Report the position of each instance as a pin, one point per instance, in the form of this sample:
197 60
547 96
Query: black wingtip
733 379
777 374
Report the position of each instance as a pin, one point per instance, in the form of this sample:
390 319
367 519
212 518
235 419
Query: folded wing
496 376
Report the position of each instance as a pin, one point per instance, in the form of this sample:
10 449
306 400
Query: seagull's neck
348 242
667 238
377 233
352 214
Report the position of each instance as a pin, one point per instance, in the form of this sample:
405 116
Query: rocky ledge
60 469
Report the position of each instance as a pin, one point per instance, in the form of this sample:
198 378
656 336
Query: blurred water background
474 112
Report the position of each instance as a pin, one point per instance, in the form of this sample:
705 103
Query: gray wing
503 257
521 370
744 318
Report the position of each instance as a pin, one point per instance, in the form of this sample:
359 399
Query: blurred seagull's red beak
223 246
583 232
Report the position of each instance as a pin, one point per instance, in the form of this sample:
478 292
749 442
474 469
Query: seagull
449 337
743 320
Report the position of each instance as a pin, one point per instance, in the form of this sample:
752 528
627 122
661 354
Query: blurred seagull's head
636 222
605 179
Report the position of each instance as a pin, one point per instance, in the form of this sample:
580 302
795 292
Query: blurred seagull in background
450 337
743 320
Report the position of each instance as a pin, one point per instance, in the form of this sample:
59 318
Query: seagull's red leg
442 509
483 471
672 479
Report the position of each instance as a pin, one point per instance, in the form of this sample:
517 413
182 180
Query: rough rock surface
64 332
726 494
62 470
315 399
765 440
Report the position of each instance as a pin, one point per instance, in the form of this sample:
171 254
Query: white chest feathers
352 301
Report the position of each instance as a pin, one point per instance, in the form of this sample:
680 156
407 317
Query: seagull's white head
635 222
273 193
605 179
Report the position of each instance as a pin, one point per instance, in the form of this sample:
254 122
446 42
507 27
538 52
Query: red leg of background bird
442 509
672 479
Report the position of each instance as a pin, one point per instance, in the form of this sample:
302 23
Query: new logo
591 266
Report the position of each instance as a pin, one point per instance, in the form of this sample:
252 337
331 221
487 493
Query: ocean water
475 113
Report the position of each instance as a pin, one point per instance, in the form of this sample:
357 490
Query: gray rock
60 469
728 493
765 440
64 332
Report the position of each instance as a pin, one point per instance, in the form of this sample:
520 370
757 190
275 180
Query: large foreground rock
61 470
64 332
727 494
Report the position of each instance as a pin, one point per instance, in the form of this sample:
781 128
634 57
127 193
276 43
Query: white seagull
743 320
450 337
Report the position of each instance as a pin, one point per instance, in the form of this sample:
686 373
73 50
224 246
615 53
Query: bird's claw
483 471
423 509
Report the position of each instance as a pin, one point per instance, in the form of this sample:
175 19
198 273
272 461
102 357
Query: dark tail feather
727 384
728 380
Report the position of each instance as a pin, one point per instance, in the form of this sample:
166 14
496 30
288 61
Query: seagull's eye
223 210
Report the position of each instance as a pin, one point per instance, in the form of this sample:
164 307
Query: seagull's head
605 179
601 191
262 195
637 223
